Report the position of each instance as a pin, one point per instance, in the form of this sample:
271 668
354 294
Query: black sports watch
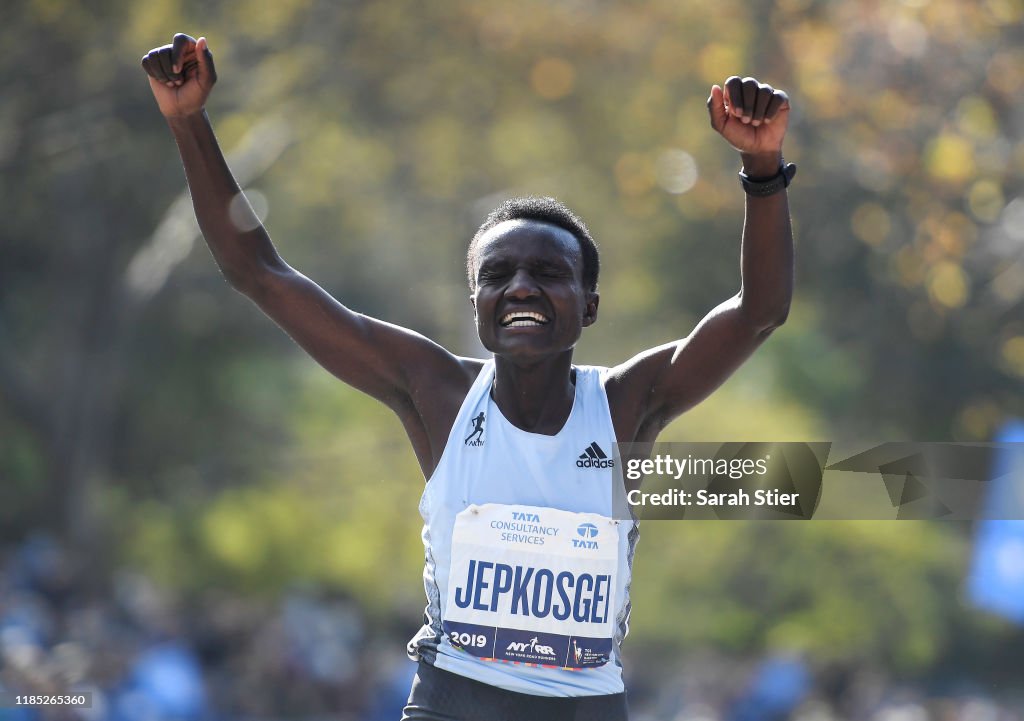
761 187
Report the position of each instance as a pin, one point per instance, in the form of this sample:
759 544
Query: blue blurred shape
388 699
167 680
779 685
38 564
996 581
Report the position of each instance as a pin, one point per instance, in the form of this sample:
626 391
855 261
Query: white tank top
527 575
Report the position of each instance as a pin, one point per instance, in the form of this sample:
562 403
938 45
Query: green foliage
337 508
880 592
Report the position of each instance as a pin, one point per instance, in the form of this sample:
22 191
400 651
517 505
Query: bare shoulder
438 386
630 387
472 367
428 413
651 389
453 377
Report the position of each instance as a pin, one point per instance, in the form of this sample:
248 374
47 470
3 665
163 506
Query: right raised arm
405 370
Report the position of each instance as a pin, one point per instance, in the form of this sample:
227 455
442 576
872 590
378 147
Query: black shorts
439 695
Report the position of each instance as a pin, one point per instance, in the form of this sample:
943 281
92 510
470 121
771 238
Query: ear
590 309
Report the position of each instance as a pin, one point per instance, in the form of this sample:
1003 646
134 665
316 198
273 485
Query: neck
536 397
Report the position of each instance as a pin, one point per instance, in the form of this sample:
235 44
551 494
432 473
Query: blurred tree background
153 419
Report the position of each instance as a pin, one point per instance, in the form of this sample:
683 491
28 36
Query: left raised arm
648 391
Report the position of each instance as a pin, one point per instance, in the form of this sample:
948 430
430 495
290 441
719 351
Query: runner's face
530 300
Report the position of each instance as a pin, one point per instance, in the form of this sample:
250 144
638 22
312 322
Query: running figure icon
478 431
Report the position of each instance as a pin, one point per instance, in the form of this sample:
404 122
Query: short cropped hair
544 210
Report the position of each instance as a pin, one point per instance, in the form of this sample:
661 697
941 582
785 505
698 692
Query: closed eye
486 275
553 271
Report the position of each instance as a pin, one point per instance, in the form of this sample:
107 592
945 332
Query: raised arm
648 391
414 376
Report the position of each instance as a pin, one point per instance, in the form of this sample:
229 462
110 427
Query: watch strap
761 187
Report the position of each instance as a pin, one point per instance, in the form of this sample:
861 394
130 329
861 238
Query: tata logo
531 517
585 531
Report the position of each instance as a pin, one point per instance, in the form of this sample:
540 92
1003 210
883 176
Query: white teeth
523 318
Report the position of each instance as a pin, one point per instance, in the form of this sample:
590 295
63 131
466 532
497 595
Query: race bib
533 585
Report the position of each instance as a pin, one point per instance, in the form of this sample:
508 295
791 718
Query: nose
522 286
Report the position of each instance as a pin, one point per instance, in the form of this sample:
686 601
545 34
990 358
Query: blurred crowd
311 655
784 688
145 656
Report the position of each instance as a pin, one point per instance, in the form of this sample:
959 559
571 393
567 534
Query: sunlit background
196 522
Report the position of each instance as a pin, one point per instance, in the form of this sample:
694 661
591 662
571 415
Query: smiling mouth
523 319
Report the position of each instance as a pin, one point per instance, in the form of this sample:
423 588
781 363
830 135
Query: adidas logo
594 457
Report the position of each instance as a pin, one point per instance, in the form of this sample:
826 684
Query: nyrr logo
594 457
532 647
478 431
585 531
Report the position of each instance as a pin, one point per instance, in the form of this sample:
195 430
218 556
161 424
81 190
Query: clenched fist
181 75
751 115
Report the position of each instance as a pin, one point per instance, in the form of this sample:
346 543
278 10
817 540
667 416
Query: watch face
789 171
